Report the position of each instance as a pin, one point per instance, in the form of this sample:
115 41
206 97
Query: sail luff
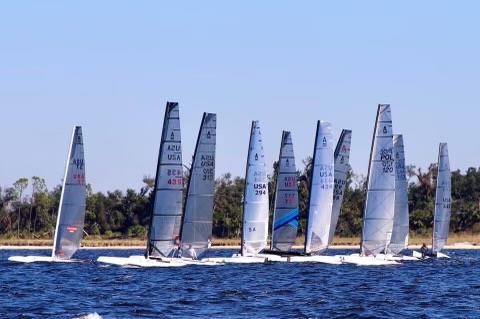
286 214
443 201
165 217
255 205
379 207
399 240
71 212
321 191
342 165
198 214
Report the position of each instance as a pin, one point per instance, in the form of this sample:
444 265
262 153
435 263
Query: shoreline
458 246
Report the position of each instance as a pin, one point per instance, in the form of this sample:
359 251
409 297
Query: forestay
321 191
342 165
286 215
71 213
443 200
380 202
165 217
401 228
255 206
197 220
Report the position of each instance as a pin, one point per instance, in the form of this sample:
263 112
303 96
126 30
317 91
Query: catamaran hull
249 259
40 259
358 260
329 260
141 261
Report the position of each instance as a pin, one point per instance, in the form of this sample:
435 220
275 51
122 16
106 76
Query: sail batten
71 213
165 217
380 202
321 191
443 201
399 240
286 214
342 166
255 205
198 217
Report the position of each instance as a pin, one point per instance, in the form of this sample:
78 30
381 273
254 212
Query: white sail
380 203
342 165
321 191
285 214
71 213
255 206
198 217
443 201
165 218
401 227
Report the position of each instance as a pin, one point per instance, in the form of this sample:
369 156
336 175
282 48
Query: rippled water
429 289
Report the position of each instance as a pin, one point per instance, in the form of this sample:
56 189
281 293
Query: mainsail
255 206
401 228
321 191
71 213
443 201
286 215
198 217
165 217
380 203
342 165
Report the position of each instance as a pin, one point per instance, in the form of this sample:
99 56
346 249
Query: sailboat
380 203
399 241
443 204
286 213
164 236
71 213
320 200
196 230
255 207
342 165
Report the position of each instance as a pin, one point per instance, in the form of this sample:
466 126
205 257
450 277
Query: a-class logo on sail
209 135
324 141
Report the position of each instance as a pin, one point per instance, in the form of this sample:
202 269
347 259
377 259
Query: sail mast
342 165
443 201
71 211
165 217
321 191
379 207
285 213
255 204
198 211
400 231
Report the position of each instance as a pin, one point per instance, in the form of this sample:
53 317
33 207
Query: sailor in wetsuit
424 250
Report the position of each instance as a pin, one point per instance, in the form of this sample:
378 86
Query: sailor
192 253
424 250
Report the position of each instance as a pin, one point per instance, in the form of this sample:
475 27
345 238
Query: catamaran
380 204
443 205
286 213
255 207
321 199
196 230
342 165
71 212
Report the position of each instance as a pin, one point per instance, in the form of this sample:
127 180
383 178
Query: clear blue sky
111 65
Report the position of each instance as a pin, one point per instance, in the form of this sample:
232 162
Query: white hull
358 260
40 259
399 258
249 259
141 261
329 260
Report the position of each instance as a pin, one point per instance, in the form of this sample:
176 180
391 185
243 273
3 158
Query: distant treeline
29 210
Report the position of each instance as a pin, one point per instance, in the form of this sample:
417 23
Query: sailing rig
342 166
196 230
443 202
399 241
71 212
